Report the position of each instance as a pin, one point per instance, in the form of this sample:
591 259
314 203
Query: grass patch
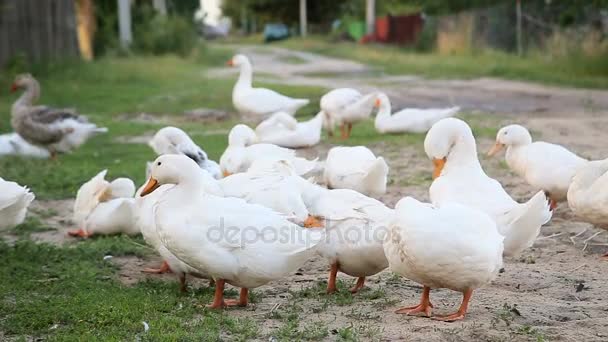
71 293
107 89
291 59
573 71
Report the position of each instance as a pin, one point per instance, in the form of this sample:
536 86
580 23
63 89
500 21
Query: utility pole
370 15
518 13
303 18
160 6
124 23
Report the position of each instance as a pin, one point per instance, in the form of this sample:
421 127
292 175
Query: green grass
111 92
574 71
73 294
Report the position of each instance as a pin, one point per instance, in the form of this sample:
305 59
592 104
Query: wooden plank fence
37 29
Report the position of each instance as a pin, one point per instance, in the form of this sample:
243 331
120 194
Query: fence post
518 29
124 22
370 15
303 18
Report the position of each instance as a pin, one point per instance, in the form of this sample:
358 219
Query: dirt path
280 65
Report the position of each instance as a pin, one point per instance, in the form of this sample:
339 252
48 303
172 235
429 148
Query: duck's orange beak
495 149
230 63
377 103
226 173
14 87
439 164
150 187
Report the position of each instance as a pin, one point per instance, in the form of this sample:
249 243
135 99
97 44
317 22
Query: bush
165 34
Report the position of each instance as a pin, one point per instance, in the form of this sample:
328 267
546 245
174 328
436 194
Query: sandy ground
554 291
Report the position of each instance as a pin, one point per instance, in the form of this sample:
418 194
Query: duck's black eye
158 163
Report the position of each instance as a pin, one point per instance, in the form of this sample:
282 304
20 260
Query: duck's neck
317 121
245 76
462 155
29 96
187 188
384 111
514 156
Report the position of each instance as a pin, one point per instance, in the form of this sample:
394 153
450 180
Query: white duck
172 140
459 178
453 246
13 144
413 120
356 168
284 130
105 208
242 151
273 184
588 193
344 107
545 166
144 220
57 130
355 226
14 201
193 224
259 103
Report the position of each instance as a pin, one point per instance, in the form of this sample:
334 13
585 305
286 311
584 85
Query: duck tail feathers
524 223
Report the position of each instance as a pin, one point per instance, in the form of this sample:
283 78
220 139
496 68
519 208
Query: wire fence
545 27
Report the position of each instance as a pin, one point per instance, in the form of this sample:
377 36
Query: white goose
355 226
459 178
259 103
588 194
14 144
14 201
242 151
57 130
356 168
172 140
105 208
189 222
453 246
412 120
545 166
284 130
344 107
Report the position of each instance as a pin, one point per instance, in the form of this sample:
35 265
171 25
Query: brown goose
57 130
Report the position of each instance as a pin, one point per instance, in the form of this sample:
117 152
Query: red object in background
382 29
405 29
401 30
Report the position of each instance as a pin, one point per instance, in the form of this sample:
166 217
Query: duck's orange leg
183 288
425 305
79 233
313 222
242 301
164 268
331 283
343 133
218 298
460 314
552 201
349 130
359 285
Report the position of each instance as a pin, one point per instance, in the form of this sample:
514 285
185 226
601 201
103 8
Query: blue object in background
273 32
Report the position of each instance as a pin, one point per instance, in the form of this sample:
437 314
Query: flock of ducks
259 214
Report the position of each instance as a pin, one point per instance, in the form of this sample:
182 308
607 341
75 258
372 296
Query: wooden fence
37 29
